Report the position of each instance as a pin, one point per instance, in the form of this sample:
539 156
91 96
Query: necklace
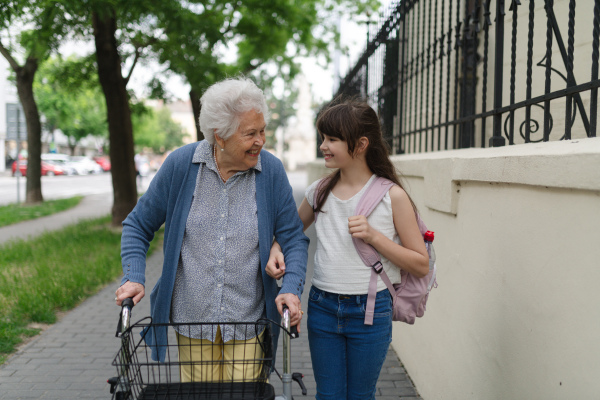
217 164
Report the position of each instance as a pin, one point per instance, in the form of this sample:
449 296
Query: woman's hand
130 289
293 303
276 265
359 228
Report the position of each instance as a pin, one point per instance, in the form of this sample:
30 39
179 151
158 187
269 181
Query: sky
353 36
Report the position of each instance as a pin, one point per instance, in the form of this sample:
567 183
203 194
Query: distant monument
300 133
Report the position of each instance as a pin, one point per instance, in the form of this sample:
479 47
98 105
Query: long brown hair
349 120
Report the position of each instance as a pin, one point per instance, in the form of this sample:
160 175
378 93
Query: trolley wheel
122 396
113 385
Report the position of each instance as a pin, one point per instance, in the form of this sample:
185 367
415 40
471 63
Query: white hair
224 102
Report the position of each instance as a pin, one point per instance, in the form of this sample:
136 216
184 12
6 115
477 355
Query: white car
64 162
86 165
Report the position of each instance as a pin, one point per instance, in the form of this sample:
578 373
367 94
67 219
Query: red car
104 162
47 168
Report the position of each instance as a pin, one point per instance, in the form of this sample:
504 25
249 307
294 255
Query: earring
222 149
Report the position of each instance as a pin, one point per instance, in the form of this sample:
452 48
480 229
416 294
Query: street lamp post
367 63
368 22
18 167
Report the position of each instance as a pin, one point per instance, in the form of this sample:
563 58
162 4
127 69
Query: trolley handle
291 330
125 316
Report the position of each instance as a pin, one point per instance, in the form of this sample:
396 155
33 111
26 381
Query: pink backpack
409 296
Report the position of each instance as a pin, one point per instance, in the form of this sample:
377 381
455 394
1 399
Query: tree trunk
25 75
118 114
196 107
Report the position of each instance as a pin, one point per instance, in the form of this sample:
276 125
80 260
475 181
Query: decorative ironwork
531 125
427 72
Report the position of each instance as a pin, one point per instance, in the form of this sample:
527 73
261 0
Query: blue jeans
347 355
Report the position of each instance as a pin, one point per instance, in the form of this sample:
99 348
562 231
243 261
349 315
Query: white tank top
338 267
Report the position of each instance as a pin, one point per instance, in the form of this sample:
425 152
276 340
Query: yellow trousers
234 361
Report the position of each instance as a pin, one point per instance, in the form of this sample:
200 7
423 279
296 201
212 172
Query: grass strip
55 272
14 213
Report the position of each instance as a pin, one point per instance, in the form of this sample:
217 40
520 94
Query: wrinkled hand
276 265
130 289
359 228
293 303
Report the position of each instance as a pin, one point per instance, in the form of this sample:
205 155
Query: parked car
63 161
55 157
104 162
48 169
68 167
87 164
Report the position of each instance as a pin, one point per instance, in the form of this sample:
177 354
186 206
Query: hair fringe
349 118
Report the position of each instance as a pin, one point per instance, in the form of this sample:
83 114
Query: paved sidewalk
72 358
92 206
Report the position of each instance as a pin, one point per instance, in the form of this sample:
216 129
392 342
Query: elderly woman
223 200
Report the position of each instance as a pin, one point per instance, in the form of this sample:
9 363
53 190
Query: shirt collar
204 154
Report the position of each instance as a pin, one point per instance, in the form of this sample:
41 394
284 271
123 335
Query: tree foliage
69 97
155 129
252 37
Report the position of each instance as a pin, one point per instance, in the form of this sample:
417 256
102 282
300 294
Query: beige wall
517 311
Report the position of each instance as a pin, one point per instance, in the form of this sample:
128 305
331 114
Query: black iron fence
450 74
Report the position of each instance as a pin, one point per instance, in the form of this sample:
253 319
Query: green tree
69 96
123 31
191 38
29 31
267 37
155 129
282 108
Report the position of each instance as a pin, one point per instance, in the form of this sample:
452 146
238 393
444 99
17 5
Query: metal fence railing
451 74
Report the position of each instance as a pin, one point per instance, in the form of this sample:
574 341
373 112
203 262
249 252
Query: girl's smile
335 151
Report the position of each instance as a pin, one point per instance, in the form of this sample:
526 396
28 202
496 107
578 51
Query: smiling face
335 152
241 150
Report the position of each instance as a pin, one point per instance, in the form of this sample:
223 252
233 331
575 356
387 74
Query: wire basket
197 369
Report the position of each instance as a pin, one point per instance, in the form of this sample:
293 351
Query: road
59 187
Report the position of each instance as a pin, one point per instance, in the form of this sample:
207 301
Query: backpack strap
367 253
367 203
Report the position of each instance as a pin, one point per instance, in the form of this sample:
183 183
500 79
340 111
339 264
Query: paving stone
51 386
21 394
401 391
385 384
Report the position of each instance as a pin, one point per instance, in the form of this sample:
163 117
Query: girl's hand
359 228
276 265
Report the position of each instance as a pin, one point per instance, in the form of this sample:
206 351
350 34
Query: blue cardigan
168 200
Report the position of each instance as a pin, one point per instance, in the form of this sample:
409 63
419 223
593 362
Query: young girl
347 355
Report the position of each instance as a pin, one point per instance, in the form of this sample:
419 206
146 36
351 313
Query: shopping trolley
245 375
